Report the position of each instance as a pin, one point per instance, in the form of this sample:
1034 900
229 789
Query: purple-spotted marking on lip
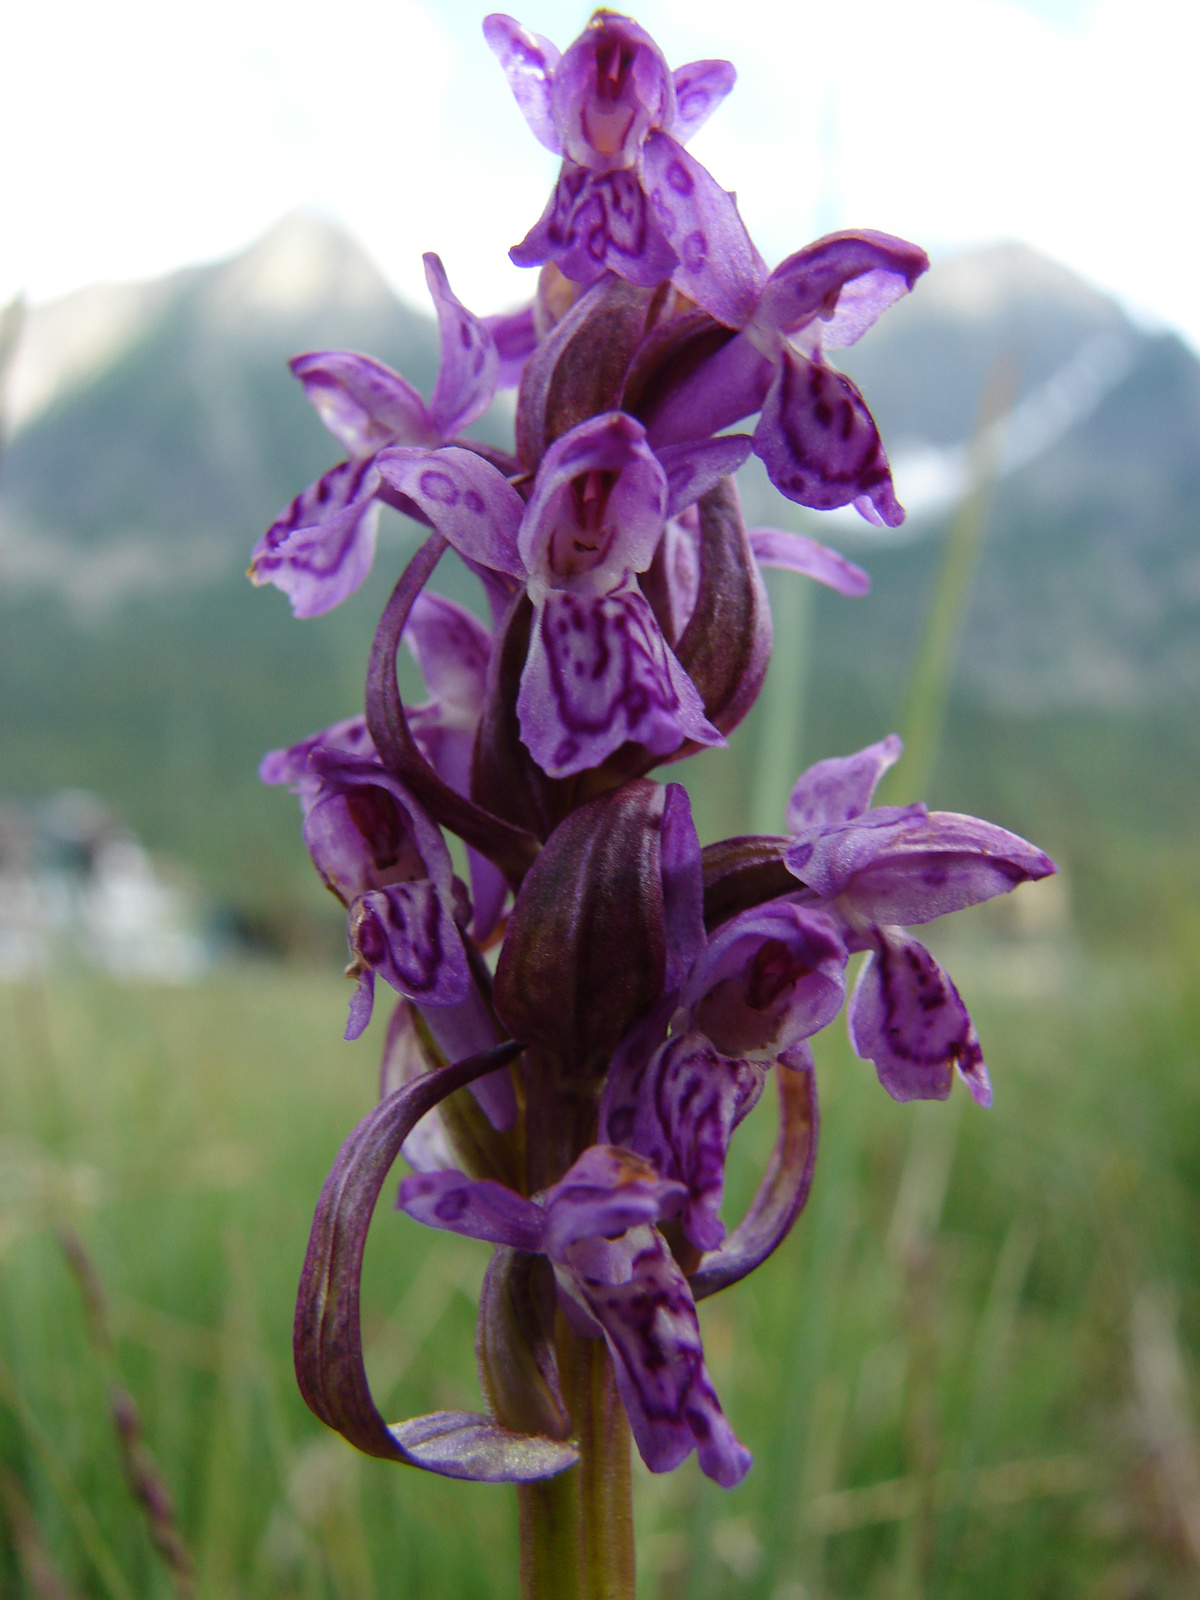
616 1280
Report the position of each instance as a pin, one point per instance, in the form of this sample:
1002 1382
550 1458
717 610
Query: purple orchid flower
320 549
815 436
629 199
379 853
616 1279
736 1002
599 672
879 870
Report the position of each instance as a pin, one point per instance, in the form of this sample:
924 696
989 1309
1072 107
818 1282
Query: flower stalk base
577 1529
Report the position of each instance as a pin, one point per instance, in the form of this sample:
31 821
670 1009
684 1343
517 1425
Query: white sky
142 135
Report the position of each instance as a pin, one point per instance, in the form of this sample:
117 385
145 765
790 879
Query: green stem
577 1529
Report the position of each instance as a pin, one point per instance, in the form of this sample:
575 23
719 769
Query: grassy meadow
967 1373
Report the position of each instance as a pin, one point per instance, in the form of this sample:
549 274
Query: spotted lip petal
819 443
405 934
321 548
600 675
327 1334
908 1018
633 1292
616 1278
679 1112
595 223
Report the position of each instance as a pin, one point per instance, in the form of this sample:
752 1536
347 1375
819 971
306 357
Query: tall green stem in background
929 692
780 710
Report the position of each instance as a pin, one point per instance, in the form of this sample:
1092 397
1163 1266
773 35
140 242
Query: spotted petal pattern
599 673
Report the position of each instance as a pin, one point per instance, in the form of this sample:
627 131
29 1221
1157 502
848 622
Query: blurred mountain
1088 594
157 432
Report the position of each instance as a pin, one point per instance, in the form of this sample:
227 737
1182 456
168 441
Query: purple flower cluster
613 996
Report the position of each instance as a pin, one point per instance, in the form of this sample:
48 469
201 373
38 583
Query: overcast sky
141 135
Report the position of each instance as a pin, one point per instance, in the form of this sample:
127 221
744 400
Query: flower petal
719 267
467 1027
907 1017
476 1207
606 1192
466 379
528 62
819 442
795 552
699 89
514 333
768 978
321 548
689 1100
694 469
840 789
785 1185
291 766
327 1334
635 1293
599 673
405 1057
468 501
611 86
363 403
839 285
452 648
683 885
573 538
599 222
907 866
406 934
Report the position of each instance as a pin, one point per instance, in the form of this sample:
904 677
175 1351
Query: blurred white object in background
78 887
